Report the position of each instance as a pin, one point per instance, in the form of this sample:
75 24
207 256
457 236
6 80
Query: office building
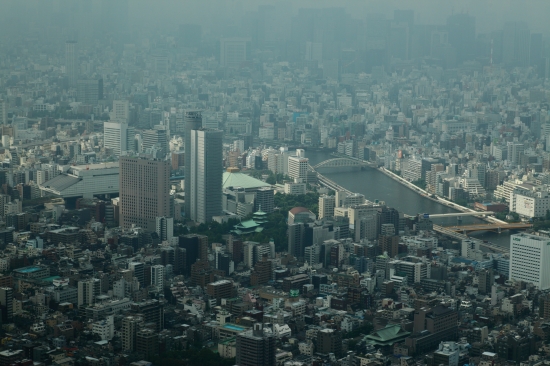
138 271
165 228
151 311
157 277
156 138
329 341
529 257
89 91
234 52
6 304
255 348
87 291
196 248
326 206
147 343
222 289
447 354
121 111
262 273
193 121
297 168
144 191
3 112
461 28
205 178
130 327
118 138
71 63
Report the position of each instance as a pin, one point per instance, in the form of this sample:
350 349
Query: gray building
193 121
255 348
205 178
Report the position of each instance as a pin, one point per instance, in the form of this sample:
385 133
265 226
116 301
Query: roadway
459 236
489 227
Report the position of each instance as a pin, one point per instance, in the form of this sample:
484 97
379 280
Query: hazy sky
490 14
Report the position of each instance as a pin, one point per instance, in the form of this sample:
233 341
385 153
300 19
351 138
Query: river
378 186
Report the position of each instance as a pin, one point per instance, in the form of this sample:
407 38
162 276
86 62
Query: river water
378 186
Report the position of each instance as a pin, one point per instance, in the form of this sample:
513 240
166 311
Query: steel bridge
496 227
338 163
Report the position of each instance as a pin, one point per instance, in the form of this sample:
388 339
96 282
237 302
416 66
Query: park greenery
275 229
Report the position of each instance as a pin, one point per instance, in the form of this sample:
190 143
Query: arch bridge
338 164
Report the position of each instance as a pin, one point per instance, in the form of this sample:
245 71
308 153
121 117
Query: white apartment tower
529 257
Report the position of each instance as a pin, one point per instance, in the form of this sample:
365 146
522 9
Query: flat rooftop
29 269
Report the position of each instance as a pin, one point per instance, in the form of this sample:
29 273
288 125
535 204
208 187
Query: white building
449 350
529 257
84 181
297 167
529 204
121 111
157 277
295 188
105 328
326 206
118 137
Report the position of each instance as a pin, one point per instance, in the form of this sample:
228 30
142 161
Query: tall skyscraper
205 179
516 42
529 257
71 62
193 121
462 35
118 137
144 191
255 348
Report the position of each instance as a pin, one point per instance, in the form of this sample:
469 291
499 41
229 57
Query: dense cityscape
274 183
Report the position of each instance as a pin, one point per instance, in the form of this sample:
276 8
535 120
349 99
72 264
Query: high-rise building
297 167
157 277
165 228
255 348
121 111
529 256
234 51
89 91
151 311
329 341
118 137
193 121
462 35
6 304
87 291
130 327
157 138
516 41
205 179
326 206
144 191
138 271
3 112
196 248
71 62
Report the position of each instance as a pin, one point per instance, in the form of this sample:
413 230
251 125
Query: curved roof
241 180
297 210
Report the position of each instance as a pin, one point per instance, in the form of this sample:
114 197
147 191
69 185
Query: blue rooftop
28 269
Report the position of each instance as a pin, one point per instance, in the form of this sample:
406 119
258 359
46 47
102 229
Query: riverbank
440 200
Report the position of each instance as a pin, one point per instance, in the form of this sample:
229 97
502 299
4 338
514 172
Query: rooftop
241 180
